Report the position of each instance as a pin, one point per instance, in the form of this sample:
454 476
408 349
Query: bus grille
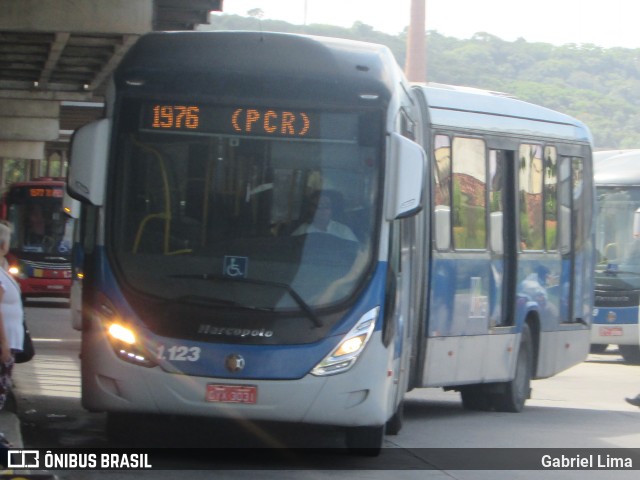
66 265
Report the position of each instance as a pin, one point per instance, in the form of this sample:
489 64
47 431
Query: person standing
11 320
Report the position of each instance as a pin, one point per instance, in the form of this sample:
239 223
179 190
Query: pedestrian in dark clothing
634 401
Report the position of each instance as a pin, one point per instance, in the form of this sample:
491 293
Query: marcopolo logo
207 329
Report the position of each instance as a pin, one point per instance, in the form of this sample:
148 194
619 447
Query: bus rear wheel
630 353
366 441
515 392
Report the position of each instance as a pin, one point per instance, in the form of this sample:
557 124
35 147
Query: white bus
617 275
214 284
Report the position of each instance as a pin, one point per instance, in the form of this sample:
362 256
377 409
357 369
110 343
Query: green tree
599 86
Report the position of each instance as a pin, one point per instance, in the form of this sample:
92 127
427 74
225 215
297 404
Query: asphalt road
582 408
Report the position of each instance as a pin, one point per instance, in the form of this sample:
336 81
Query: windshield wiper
199 299
289 289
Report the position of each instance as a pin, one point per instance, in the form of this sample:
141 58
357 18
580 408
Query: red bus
40 255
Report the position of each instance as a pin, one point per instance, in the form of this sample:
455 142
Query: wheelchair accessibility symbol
235 267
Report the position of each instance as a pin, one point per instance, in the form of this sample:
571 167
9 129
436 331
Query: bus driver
322 210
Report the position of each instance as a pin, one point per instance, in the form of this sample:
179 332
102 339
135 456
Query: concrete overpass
55 56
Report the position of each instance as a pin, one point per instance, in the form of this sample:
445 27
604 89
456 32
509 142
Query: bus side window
496 200
442 189
530 192
551 198
564 211
407 125
579 222
88 219
469 179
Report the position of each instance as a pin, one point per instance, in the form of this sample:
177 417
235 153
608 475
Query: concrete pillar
34 120
99 16
25 125
22 150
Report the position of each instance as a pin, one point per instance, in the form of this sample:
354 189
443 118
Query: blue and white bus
617 280
211 288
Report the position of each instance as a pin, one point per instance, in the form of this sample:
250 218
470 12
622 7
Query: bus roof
483 110
606 154
178 60
617 167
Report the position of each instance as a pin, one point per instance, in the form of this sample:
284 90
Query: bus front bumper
43 287
358 397
612 334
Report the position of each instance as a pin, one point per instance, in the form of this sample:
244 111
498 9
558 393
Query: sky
605 23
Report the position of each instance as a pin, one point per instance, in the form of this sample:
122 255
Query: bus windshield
39 221
269 209
615 241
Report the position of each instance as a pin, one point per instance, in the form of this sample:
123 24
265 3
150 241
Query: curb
10 426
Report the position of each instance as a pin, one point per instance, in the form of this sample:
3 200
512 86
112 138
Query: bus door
467 265
502 237
502 245
562 268
405 286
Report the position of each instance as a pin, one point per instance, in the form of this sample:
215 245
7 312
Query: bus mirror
89 153
406 177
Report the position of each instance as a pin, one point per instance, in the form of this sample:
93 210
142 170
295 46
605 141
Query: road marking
57 340
49 375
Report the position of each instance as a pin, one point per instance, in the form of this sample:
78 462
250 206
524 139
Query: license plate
610 331
232 393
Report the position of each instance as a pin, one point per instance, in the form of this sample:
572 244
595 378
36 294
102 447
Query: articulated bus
40 255
265 238
617 295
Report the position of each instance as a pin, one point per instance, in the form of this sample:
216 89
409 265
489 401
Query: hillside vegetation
599 86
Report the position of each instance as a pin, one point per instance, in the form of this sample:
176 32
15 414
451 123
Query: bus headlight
123 338
344 356
17 272
121 333
125 344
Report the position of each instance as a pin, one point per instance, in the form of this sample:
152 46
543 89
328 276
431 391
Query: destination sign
45 192
250 121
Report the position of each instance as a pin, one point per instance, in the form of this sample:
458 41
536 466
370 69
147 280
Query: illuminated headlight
122 334
16 271
123 338
344 356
